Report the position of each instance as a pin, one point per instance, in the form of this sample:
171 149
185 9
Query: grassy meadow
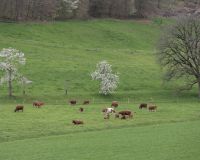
56 120
48 134
179 141
62 55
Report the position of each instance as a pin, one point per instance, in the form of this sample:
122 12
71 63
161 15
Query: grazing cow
72 102
38 104
143 105
18 108
152 108
86 102
108 110
35 103
77 122
81 109
114 104
126 113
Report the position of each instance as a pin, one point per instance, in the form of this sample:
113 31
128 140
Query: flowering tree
10 60
108 80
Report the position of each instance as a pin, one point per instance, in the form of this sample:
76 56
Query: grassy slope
62 51
178 141
69 51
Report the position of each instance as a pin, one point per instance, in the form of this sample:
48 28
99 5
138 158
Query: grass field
178 141
63 54
56 120
47 133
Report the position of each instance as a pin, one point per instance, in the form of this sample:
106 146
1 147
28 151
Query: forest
48 10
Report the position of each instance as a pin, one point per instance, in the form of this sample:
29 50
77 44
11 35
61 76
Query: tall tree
179 51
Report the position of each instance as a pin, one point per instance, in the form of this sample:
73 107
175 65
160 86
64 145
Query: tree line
24 10
19 10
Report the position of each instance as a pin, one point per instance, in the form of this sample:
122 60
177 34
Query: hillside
62 55
65 53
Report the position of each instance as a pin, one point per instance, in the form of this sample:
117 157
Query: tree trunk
10 83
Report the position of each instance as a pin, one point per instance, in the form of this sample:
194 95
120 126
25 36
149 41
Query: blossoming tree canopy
10 60
108 80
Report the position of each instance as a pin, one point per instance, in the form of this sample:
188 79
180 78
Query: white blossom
108 80
10 60
12 57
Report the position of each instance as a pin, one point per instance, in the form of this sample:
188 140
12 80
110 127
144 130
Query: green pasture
56 119
62 55
47 133
177 141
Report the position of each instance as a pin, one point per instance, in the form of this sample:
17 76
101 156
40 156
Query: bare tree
179 51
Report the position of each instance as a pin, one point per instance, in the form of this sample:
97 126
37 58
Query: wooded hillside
22 10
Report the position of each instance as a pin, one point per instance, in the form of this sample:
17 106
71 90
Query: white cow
110 110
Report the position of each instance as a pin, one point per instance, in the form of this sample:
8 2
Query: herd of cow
36 104
124 114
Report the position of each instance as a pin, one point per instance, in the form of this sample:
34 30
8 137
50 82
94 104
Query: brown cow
35 103
143 105
86 102
114 104
38 104
152 108
72 102
81 109
18 108
126 113
77 122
